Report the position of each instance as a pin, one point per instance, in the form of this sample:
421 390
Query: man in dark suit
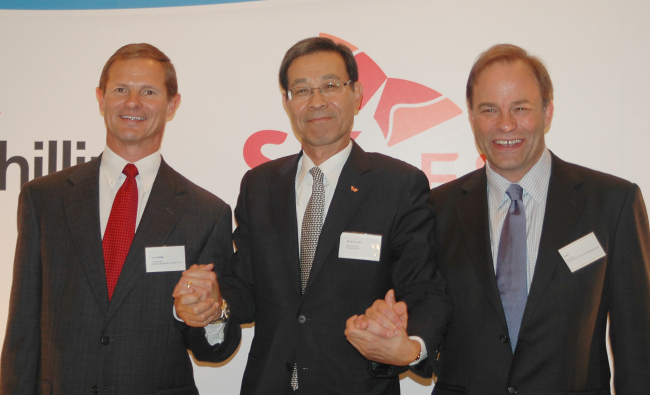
536 324
89 313
321 235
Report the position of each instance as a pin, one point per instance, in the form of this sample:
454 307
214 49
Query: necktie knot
130 170
317 174
515 192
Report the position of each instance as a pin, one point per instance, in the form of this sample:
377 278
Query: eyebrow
325 77
515 103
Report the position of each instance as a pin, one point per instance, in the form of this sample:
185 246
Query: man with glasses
320 236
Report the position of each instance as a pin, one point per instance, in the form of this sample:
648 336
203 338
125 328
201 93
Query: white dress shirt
111 179
535 186
331 169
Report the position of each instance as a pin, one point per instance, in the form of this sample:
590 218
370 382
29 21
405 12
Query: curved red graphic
405 108
253 146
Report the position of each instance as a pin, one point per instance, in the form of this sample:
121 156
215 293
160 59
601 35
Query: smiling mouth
507 143
132 118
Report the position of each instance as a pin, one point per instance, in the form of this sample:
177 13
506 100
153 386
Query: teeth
508 143
132 118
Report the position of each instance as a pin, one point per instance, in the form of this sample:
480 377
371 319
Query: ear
172 105
548 116
100 99
358 96
285 100
470 113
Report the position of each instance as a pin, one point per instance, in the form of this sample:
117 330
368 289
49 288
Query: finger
379 330
197 312
208 268
361 322
189 298
401 310
191 274
381 312
390 298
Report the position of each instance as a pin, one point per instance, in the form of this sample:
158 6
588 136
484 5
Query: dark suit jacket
63 336
562 343
309 330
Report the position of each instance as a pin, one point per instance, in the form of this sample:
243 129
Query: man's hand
399 350
385 318
196 297
380 335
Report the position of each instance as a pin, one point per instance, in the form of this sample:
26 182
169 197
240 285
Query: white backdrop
227 57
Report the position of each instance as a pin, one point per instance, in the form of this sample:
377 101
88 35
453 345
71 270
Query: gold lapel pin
354 189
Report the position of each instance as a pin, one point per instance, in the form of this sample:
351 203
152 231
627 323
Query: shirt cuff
423 350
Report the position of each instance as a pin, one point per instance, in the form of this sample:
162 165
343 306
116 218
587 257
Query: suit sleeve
415 274
21 350
630 297
238 284
218 250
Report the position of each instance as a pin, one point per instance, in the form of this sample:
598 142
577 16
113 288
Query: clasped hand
196 296
380 334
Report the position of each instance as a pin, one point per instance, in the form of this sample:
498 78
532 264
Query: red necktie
120 228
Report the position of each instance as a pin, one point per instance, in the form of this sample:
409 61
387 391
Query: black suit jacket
562 342
63 336
309 330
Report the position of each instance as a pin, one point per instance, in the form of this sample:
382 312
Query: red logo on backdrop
405 109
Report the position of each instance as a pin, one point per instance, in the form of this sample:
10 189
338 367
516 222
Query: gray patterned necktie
312 223
511 263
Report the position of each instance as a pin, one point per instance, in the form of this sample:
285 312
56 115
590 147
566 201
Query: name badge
165 259
582 252
362 246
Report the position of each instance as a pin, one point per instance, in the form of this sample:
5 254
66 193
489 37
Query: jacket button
302 319
512 390
289 366
106 340
94 389
504 339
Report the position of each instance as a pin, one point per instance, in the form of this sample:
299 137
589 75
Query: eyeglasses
328 89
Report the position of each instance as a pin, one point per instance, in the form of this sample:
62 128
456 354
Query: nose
317 101
133 100
507 122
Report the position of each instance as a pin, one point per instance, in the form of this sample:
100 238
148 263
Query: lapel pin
354 189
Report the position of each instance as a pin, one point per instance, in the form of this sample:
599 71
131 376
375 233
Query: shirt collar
331 168
534 183
113 164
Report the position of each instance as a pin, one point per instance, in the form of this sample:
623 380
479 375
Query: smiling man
537 253
90 312
320 236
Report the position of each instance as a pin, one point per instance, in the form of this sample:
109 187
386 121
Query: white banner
414 58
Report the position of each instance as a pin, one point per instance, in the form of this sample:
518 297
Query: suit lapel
563 207
283 199
344 203
81 204
164 207
473 216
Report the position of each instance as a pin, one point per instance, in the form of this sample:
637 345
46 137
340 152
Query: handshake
197 298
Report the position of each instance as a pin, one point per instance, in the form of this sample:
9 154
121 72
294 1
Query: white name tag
582 252
360 246
165 259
